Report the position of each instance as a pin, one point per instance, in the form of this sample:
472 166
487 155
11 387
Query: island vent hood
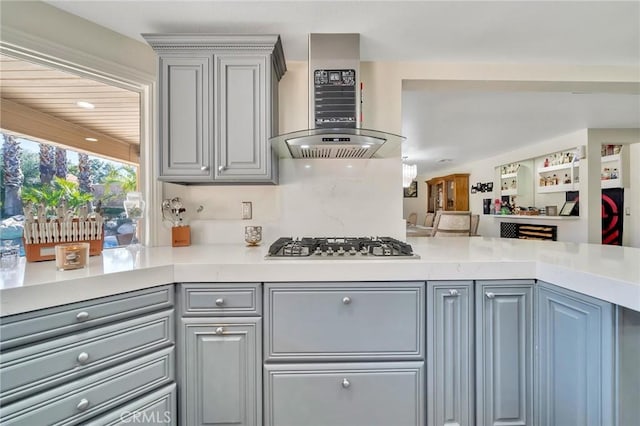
334 107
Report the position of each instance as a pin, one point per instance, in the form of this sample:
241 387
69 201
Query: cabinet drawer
76 402
343 321
220 299
156 408
364 394
31 369
46 323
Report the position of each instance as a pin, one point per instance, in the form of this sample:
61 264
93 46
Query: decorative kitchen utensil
173 210
253 235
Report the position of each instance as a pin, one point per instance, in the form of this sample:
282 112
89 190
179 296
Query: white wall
631 232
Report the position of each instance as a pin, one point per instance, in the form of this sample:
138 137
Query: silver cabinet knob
490 295
219 330
83 404
345 383
346 300
454 292
83 357
219 302
82 316
222 168
204 168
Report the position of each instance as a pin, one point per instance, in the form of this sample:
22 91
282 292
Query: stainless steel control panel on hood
334 107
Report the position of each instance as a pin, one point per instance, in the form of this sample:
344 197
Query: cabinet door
243 123
220 366
504 363
344 394
450 353
185 132
574 368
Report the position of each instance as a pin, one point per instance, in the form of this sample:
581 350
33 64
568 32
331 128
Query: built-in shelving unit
558 177
611 171
515 181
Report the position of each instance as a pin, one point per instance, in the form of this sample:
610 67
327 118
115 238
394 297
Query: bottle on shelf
546 162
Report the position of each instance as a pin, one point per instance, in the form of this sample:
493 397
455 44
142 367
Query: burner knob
318 252
329 251
353 251
364 251
341 251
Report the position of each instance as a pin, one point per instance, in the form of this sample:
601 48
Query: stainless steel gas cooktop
340 248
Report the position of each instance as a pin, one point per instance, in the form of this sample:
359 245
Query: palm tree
84 173
61 162
13 176
46 163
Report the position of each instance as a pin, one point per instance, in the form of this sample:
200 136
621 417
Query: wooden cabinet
220 356
504 362
218 107
450 353
449 192
574 370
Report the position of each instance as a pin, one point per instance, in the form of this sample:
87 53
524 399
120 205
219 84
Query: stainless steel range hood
334 107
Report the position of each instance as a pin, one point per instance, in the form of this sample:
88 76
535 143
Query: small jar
71 256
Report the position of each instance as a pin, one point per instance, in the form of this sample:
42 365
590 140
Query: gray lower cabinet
219 371
450 353
69 364
76 402
344 354
218 102
156 408
504 356
575 363
344 394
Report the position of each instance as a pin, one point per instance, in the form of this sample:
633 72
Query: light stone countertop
610 273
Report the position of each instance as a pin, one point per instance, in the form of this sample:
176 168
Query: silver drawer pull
83 404
83 357
346 300
222 168
345 383
490 295
454 292
82 316
219 302
219 330
204 168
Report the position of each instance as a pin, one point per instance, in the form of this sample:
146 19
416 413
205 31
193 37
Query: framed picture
412 190
567 208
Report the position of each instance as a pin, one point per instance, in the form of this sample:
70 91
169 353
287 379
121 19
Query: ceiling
455 123
115 114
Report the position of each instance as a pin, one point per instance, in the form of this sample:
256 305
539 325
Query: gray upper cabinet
185 104
450 358
218 106
504 362
574 372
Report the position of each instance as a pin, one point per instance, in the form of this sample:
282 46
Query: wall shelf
562 187
566 166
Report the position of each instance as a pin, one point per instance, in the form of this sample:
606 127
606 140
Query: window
44 173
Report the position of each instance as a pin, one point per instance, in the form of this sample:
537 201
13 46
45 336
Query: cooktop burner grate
340 247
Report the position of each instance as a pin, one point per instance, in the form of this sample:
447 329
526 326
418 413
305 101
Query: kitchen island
609 273
448 337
